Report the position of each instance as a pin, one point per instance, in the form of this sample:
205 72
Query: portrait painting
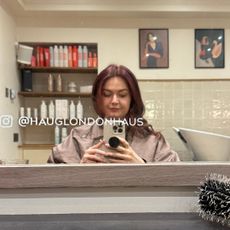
153 48
209 48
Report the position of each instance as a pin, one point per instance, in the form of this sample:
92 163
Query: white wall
8 78
121 45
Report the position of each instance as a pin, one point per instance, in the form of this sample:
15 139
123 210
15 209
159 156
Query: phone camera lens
114 142
120 130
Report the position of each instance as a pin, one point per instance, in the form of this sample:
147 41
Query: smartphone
112 130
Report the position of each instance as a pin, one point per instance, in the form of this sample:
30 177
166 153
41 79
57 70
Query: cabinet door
36 156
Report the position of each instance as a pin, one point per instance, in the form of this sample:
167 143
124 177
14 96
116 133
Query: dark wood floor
140 221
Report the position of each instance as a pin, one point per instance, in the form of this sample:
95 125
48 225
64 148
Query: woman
153 50
115 94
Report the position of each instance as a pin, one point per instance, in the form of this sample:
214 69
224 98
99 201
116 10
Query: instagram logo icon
6 121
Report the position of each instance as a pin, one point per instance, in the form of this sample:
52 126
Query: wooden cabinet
37 137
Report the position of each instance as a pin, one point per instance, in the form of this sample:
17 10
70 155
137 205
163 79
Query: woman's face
115 98
151 37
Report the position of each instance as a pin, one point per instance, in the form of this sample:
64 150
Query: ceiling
28 12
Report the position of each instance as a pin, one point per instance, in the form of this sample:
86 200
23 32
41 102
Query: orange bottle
94 60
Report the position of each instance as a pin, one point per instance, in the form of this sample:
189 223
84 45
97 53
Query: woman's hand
94 154
122 154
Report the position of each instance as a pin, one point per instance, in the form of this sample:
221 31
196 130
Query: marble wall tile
196 104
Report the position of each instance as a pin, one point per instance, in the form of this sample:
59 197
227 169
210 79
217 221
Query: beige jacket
81 138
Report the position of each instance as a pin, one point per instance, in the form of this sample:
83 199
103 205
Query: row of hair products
60 109
55 84
71 56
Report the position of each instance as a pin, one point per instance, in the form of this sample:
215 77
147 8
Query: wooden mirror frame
185 174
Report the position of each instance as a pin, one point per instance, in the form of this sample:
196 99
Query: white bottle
51 110
59 83
72 110
51 56
35 113
63 133
28 112
61 56
43 110
79 110
50 83
85 56
56 56
65 56
22 112
57 135
80 52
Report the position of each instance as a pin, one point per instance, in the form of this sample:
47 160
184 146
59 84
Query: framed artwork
209 48
153 48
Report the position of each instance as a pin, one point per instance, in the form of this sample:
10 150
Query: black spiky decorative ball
214 199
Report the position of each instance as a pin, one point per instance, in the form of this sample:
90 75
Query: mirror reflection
199 111
185 105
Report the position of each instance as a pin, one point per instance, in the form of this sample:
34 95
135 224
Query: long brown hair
137 108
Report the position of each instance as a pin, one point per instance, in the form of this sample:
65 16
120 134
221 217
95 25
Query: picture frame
153 48
209 48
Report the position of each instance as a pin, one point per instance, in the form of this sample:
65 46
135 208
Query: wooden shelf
36 146
92 45
57 69
53 94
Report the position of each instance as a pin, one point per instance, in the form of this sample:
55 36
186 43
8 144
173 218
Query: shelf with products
39 117
76 75
42 84
44 62
68 56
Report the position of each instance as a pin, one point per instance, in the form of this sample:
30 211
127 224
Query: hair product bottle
43 110
51 110
61 56
57 135
63 133
79 110
28 112
75 56
80 64
50 83
85 56
72 110
51 49
35 113
56 56
94 60
65 56
70 54
59 83
90 60
22 112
